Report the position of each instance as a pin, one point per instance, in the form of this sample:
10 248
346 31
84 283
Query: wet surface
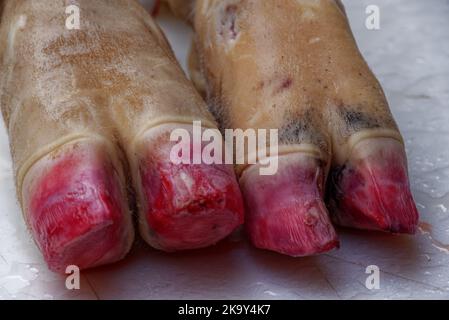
410 55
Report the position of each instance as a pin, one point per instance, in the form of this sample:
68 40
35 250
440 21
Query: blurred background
410 56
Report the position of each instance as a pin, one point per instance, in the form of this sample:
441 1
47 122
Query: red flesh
189 206
286 212
76 210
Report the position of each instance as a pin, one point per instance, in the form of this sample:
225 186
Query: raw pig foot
286 212
77 209
372 190
185 206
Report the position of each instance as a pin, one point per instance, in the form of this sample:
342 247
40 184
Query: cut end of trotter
372 191
77 210
286 212
187 206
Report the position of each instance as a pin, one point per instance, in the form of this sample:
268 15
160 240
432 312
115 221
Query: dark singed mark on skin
293 128
220 113
357 120
333 194
299 128
335 175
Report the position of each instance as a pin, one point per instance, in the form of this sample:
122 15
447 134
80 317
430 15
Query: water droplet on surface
420 206
270 293
442 207
427 229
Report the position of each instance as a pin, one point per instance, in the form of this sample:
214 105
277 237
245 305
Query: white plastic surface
410 55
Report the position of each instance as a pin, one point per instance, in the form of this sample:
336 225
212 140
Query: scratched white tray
410 55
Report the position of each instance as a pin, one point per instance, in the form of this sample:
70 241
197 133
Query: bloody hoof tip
372 190
189 206
285 212
76 209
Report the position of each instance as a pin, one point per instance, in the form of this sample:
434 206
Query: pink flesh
286 212
76 210
372 190
189 206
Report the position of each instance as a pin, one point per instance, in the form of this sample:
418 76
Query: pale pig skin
294 65
89 114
